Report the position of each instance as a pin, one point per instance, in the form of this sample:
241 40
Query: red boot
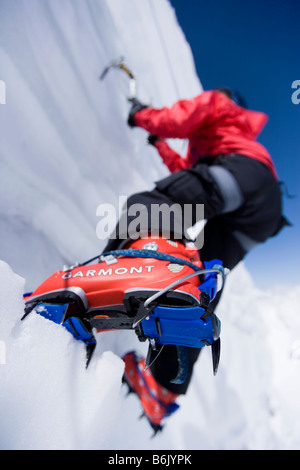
157 401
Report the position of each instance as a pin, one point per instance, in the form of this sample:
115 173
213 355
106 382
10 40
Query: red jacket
214 125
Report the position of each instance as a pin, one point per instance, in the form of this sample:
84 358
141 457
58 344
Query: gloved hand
136 106
152 139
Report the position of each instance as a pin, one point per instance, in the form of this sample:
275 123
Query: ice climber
229 172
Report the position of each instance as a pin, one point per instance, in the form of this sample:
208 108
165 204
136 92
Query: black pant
228 235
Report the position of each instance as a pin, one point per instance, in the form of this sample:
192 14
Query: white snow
65 149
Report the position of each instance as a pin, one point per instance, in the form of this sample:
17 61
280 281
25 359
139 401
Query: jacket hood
256 121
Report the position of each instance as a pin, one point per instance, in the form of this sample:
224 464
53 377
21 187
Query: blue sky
254 46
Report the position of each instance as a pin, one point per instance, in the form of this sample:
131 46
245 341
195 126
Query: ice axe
120 64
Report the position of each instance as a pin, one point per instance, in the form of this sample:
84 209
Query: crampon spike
89 353
152 355
216 351
156 428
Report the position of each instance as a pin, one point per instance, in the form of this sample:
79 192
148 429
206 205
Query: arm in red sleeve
180 121
170 158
